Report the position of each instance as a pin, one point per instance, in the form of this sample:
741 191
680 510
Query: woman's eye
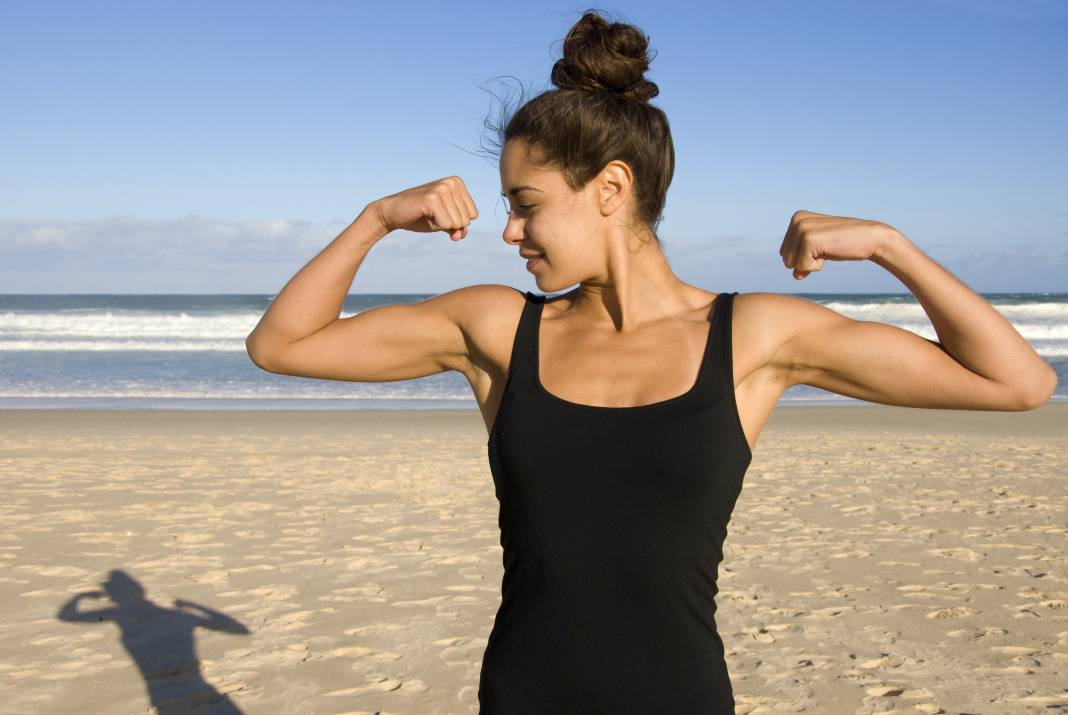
509 206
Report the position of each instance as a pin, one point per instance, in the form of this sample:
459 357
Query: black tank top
612 521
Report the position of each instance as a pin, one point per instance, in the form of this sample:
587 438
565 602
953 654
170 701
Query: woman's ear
613 186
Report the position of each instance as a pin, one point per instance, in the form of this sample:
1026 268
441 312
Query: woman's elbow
258 353
1041 391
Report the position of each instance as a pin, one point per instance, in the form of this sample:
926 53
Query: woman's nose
512 234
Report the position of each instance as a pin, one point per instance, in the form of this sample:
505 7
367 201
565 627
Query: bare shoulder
487 315
469 303
765 323
763 302
476 307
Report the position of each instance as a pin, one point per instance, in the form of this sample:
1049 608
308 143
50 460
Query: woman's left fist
812 238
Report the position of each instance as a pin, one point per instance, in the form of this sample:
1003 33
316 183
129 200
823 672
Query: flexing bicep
882 363
385 343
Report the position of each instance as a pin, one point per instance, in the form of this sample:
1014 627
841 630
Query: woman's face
565 228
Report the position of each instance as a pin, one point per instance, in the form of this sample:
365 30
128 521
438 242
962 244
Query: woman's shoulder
766 302
484 295
766 309
483 309
766 321
488 315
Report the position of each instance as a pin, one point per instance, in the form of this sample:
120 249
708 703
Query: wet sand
880 559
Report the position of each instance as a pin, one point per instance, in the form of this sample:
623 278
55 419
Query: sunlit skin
631 332
590 238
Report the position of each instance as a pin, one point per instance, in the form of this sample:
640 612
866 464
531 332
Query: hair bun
600 55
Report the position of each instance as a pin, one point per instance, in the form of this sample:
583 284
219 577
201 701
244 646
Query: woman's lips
532 262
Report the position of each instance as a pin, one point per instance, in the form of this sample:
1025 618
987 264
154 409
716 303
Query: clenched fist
440 205
812 238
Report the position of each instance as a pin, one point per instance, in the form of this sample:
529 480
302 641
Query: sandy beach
879 559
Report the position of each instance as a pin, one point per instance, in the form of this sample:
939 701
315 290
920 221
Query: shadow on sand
160 641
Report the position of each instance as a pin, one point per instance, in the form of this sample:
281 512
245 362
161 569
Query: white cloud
123 253
1043 253
189 241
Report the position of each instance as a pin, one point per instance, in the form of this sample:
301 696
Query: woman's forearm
314 297
970 329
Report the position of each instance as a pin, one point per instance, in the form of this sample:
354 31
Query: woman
622 414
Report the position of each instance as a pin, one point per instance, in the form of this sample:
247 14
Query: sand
880 559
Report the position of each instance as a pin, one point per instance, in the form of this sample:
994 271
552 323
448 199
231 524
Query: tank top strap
722 348
521 367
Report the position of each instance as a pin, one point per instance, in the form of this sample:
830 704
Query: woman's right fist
440 205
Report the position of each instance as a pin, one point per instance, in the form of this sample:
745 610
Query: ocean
188 352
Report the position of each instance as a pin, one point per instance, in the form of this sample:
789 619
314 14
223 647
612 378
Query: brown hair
599 112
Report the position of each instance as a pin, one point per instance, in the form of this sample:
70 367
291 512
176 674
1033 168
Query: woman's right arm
301 333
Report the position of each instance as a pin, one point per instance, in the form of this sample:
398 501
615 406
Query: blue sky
217 147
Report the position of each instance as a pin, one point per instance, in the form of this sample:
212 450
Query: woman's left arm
981 361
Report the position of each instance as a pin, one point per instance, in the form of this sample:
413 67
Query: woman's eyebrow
515 190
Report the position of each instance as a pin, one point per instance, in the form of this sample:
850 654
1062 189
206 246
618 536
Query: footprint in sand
954 612
456 651
977 633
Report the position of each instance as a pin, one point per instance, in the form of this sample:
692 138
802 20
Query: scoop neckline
713 325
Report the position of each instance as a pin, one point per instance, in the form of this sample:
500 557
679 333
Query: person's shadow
160 641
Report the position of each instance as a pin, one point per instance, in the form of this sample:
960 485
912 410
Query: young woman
622 414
